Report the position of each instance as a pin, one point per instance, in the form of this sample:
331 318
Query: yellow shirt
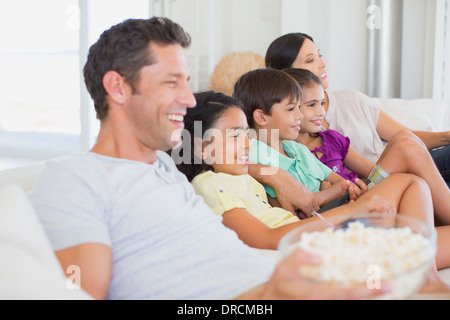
224 192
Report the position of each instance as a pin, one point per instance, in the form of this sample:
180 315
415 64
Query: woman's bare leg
443 253
405 153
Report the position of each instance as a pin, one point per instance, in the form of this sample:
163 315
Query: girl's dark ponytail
210 107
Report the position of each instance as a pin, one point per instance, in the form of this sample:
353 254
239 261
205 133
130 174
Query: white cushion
29 268
24 176
418 114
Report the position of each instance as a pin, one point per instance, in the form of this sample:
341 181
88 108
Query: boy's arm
93 263
291 194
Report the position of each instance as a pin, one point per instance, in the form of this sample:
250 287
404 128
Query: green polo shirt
301 163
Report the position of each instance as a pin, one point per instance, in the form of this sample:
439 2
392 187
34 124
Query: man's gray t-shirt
166 242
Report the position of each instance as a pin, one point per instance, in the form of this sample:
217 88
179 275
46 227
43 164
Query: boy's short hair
262 88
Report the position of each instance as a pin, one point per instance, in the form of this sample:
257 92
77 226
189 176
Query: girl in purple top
333 151
403 154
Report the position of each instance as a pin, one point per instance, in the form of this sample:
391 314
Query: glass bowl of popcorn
368 249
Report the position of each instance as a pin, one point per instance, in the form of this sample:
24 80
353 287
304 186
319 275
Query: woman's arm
434 140
291 194
388 127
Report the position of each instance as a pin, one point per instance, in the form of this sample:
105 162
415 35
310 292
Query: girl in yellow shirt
215 159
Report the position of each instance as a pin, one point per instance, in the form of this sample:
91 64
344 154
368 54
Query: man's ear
260 118
115 86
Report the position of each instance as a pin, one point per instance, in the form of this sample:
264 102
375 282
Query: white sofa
29 268
418 114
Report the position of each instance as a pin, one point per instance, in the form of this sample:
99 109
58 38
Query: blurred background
45 110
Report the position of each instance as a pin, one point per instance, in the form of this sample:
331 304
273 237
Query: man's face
161 98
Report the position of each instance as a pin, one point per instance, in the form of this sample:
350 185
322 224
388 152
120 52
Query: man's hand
295 197
286 283
291 194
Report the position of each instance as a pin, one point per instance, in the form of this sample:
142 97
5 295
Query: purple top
335 148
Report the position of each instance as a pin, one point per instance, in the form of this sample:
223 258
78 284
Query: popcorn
348 255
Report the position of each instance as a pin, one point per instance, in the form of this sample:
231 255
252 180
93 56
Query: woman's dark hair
124 48
262 88
305 78
210 107
283 51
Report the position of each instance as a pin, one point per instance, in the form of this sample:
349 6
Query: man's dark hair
125 48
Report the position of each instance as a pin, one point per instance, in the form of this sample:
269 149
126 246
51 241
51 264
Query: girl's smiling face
228 149
312 108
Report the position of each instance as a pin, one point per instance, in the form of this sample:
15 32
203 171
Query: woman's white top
356 115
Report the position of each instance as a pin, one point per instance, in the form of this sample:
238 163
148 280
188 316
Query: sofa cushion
25 176
29 267
418 114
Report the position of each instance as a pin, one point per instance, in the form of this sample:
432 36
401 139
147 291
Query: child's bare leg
410 194
406 154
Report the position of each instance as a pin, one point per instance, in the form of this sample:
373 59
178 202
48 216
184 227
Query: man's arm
94 261
291 194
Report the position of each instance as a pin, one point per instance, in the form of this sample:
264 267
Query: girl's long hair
210 107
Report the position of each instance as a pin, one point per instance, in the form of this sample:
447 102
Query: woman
350 112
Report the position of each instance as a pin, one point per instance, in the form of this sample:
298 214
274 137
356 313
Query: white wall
246 25
339 29
414 47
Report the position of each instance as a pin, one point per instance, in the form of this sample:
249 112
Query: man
124 214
